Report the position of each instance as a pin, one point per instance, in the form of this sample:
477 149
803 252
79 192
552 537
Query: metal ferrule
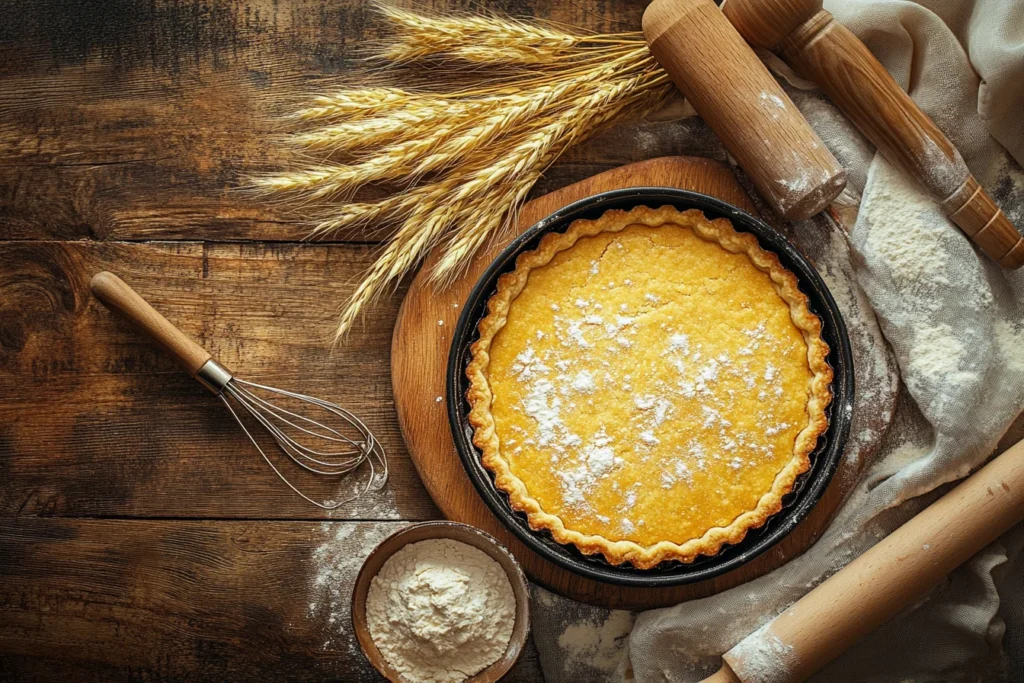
214 376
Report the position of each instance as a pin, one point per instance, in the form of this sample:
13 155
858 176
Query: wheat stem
417 157
351 103
520 169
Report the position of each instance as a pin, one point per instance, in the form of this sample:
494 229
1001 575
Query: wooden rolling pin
822 50
877 585
743 104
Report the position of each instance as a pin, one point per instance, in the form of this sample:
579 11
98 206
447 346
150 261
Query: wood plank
104 600
129 120
97 421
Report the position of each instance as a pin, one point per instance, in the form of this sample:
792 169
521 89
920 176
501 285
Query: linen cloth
953 321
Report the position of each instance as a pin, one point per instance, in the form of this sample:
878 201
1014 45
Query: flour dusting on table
596 644
336 561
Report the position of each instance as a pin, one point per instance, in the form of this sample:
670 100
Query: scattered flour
592 645
937 356
905 234
440 610
938 359
761 657
335 562
1009 338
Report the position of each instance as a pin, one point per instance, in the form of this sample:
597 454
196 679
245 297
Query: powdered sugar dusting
626 373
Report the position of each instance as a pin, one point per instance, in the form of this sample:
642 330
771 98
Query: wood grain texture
139 120
419 356
123 123
97 420
127 121
185 600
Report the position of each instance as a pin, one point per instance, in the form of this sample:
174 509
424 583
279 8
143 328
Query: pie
648 385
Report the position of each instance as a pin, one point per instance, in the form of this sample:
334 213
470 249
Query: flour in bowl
440 610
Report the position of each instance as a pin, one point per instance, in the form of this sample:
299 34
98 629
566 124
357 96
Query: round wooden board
419 354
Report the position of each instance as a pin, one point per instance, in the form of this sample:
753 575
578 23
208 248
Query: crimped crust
479 394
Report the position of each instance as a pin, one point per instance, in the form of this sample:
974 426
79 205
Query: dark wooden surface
141 537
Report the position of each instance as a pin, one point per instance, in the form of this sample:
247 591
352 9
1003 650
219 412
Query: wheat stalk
469 157
512 176
423 227
474 38
538 155
379 130
438 150
354 103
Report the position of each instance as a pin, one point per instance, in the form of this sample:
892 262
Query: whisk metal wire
282 423
343 453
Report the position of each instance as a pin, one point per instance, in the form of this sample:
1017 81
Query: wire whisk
336 444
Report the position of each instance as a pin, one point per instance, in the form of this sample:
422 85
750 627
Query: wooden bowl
456 532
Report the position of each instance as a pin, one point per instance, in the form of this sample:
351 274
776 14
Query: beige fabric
953 321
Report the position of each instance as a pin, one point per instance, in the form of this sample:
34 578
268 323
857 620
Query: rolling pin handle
977 214
1015 258
894 573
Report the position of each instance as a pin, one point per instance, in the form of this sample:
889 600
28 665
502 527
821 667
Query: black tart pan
809 486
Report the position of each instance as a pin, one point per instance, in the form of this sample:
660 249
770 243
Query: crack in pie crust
648 385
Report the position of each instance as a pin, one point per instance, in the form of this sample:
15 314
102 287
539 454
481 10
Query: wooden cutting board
419 354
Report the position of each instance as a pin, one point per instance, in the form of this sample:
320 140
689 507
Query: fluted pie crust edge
720 231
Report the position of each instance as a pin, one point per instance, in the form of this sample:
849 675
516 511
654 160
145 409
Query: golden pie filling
646 387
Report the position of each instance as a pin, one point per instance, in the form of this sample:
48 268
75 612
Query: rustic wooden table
141 536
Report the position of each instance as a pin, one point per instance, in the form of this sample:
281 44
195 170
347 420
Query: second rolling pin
823 50
877 585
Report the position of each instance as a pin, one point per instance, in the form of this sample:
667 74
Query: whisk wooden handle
885 579
119 297
743 104
823 50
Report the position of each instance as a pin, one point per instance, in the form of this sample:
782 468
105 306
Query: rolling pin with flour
744 105
822 50
880 583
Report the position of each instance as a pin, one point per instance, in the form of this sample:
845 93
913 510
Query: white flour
336 561
1009 337
440 610
939 289
906 233
937 356
596 645
761 657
